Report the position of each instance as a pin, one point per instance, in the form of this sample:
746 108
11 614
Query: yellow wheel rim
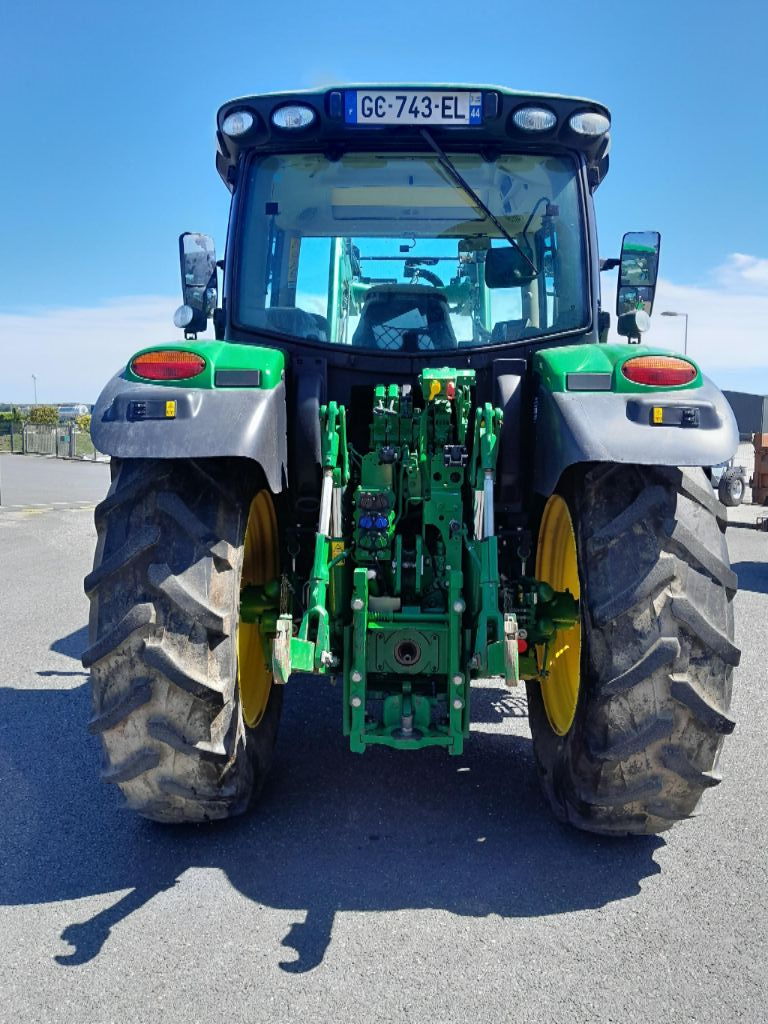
557 564
260 565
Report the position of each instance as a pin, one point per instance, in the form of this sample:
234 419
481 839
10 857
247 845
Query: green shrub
46 414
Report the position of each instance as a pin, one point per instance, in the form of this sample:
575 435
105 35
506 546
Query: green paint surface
218 355
554 364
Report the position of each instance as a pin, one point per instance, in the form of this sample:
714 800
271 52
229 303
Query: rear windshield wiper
448 166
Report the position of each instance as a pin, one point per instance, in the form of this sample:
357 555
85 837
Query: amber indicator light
659 371
172 364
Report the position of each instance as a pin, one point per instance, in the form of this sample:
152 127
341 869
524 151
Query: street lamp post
34 385
669 312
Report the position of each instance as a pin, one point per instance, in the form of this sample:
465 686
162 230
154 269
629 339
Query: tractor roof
331 128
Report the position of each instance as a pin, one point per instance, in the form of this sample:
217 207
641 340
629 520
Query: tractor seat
404 318
291 320
510 330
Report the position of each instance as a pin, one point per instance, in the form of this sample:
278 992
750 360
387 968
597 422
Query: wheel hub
557 564
260 567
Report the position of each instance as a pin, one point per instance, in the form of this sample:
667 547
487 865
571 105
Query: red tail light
659 371
172 364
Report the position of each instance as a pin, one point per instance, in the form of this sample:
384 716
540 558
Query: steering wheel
428 275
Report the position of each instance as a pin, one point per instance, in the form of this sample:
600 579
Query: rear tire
165 593
657 653
731 488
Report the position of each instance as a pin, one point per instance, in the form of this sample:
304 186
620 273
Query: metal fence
11 437
63 442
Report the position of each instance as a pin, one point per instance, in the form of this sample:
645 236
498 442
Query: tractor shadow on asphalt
71 646
753 576
334 831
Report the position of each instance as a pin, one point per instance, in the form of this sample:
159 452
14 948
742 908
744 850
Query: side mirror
507 268
199 284
638 271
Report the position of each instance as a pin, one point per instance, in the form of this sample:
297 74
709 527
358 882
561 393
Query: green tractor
409 461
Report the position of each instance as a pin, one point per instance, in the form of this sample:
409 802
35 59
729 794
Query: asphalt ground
387 887
41 481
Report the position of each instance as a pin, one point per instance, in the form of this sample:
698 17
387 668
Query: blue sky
108 119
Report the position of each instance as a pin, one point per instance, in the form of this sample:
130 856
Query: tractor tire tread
693 484
690 546
657 624
139 762
662 652
111 716
173 666
138 542
148 475
630 743
179 511
162 646
187 601
674 759
134 620
712 715
662 573
169 734
716 639
643 505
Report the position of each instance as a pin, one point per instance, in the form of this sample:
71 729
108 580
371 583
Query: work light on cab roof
293 116
239 122
534 119
589 123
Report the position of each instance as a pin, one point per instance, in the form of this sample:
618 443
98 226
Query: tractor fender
133 420
582 426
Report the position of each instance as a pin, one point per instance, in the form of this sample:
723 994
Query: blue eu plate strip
350 106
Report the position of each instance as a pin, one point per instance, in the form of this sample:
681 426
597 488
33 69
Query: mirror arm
219 320
610 264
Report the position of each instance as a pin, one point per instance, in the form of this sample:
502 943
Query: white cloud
74 351
727 321
742 272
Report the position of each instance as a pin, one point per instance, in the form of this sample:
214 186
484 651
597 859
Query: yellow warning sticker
170 410
337 547
658 414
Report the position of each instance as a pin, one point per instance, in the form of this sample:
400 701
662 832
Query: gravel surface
385 887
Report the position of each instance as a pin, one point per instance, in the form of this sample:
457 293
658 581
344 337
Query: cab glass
387 252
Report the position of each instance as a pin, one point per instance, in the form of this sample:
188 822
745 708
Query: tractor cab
394 221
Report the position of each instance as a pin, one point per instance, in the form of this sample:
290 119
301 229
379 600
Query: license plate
412 107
